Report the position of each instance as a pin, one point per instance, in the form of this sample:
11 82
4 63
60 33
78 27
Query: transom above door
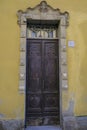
42 29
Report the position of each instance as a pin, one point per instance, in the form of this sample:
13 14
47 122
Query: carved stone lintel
40 12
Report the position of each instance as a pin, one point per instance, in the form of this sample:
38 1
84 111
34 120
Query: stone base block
82 123
11 124
69 123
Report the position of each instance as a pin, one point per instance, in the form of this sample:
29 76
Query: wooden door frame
43 11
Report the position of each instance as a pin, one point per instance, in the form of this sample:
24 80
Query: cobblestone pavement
43 128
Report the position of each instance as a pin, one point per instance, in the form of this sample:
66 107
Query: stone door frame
43 11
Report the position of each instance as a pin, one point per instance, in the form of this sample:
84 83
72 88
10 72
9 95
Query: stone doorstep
68 122
43 128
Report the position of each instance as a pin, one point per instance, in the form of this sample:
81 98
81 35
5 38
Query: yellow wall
11 102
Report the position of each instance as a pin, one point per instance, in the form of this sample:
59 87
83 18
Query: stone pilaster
22 72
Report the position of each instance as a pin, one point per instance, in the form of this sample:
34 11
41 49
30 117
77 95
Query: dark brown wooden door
42 82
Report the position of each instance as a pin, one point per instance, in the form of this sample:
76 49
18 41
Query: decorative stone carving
64 76
22 44
64 84
22 76
22 69
64 62
43 7
64 19
23 31
22 55
21 89
22 85
63 44
63 56
22 62
19 14
63 32
43 11
64 47
64 69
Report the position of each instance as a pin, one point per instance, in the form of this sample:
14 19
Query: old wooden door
42 82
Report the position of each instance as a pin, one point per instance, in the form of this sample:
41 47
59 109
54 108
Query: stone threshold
69 123
43 128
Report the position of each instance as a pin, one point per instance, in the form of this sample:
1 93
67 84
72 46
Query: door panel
35 70
51 66
50 75
51 102
50 91
42 82
33 80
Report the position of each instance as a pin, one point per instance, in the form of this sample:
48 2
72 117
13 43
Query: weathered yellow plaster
11 101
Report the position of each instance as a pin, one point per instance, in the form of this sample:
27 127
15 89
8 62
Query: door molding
43 11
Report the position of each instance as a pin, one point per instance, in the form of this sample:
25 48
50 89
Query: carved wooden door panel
42 81
50 88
